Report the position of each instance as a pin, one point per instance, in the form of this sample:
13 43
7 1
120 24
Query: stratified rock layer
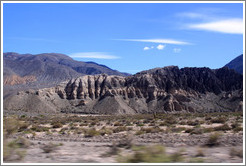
168 89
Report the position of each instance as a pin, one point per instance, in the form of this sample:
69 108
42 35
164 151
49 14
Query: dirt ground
201 138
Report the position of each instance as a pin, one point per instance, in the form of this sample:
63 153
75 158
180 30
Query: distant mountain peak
236 64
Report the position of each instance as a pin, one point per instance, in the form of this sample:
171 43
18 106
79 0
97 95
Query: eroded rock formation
168 89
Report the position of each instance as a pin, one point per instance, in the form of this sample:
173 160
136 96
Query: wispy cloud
176 50
231 26
161 47
93 55
160 41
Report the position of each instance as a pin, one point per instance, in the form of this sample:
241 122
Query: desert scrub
105 131
23 126
219 120
56 125
200 153
119 129
50 147
155 129
118 124
224 127
193 123
238 153
38 128
139 132
177 129
150 154
213 139
11 125
125 142
14 150
91 132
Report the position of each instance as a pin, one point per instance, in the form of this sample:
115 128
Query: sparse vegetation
213 139
138 126
150 154
50 147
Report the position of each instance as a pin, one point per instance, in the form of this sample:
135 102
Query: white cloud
146 48
160 41
93 55
160 47
231 26
176 50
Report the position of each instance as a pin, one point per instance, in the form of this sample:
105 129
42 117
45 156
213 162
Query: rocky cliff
168 89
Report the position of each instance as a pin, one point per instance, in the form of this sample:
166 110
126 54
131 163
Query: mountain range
167 89
25 71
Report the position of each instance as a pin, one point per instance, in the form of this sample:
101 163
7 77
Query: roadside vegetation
214 125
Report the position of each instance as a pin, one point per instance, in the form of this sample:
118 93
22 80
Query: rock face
168 89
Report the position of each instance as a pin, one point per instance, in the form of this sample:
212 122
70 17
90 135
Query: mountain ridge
163 90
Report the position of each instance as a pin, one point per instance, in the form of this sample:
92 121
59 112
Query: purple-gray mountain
24 71
236 64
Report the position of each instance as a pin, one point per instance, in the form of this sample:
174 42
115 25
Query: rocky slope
236 64
25 71
168 89
50 67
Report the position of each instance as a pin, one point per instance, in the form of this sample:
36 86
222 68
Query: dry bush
151 154
50 147
105 131
91 132
213 139
155 129
119 129
220 119
238 153
56 125
37 128
224 127
200 153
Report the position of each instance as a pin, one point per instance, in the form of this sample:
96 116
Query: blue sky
128 37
